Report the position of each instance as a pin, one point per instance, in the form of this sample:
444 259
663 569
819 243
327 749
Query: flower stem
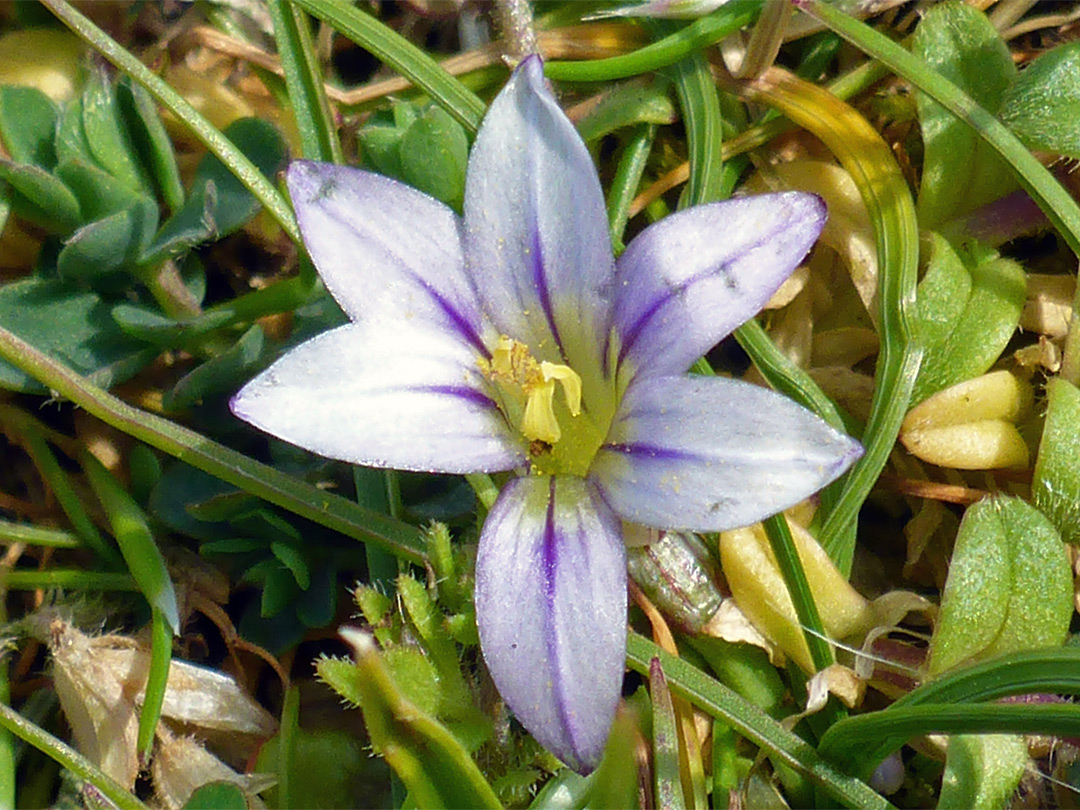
516 22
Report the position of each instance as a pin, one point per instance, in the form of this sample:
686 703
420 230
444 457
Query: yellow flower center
530 386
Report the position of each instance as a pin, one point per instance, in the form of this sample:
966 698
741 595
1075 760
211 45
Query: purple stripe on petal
652 451
461 391
551 610
710 453
456 318
540 282
549 556
688 280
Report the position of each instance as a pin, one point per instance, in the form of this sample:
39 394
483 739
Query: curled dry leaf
182 765
101 680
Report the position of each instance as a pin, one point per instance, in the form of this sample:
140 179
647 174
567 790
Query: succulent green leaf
982 770
98 192
434 151
217 796
28 125
194 223
381 148
261 142
1056 486
109 244
1009 586
964 334
71 143
72 325
107 136
219 374
151 143
41 197
293 559
960 171
1040 107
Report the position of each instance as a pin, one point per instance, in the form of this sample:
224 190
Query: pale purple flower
510 340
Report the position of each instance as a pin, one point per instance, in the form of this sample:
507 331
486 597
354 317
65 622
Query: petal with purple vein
687 281
384 250
403 397
536 234
710 454
551 609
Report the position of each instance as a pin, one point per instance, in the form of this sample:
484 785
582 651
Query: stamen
522 378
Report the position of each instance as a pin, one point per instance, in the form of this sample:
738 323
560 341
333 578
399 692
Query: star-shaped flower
510 340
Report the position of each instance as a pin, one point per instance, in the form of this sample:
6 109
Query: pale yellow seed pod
760 592
971 425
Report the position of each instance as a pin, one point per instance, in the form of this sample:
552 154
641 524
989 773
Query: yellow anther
570 382
523 379
538 423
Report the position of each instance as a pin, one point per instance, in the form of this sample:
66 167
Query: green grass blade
627 178
303 78
868 160
246 171
402 55
671 49
862 742
132 532
751 722
791 568
69 579
156 680
37 535
1060 208
297 496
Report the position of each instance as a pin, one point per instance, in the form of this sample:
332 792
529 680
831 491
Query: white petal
404 397
551 609
536 234
710 454
384 250
687 281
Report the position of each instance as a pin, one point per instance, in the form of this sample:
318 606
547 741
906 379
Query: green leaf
1009 586
434 151
109 140
41 198
628 104
261 142
71 325
151 142
964 335
71 143
136 541
294 560
982 770
193 224
1056 485
666 781
1040 107
381 146
218 374
436 769
28 125
217 796
960 170
109 244
98 192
